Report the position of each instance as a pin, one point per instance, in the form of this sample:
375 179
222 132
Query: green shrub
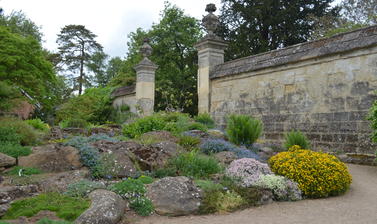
23 171
28 135
38 124
65 207
9 135
317 174
94 106
165 172
134 191
188 142
197 126
205 119
48 221
142 205
76 123
208 185
220 201
144 125
14 150
195 165
82 188
296 138
146 179
243 129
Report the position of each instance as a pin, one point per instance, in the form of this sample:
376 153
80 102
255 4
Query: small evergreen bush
205 119
144 125
14 150
9 135
188 142
220 201
243 129
28 135
317 174
296 138
196 126
193 164
77 123
38 124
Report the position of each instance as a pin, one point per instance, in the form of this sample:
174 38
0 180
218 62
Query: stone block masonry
323 88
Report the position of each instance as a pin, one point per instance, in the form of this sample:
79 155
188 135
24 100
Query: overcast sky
110 20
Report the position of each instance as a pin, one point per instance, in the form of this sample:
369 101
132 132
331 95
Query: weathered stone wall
323 88
129 100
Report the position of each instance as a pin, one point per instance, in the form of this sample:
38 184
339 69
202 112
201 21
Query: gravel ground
357 206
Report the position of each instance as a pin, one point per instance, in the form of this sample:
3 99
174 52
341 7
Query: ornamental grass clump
247 171
296 138
318 174
205 119
282 188
243 129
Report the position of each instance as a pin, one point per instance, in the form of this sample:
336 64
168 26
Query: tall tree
77 46
172 40
97 64
23 66
18 23
255 26
353 14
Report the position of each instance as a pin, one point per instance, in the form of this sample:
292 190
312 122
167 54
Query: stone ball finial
211 8
211 21
146 49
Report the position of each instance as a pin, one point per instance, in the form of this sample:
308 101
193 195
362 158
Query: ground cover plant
205 119
23 171
133 190
318 174
282 188
210 146
38 124
243 129
83 188
67 208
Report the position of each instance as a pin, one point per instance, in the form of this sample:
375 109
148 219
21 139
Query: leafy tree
353 14
77 46
18 23
255 26
24 67
97 65
172 40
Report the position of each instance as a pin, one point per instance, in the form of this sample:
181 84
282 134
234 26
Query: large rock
174 196
160 135
124 165
10 193
225 157
156 155
106 208
6 161
52 158
110 131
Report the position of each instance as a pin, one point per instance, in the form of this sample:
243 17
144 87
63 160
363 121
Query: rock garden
167 164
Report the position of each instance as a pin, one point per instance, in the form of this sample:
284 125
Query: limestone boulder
110 131
225 157
174 196
52 158
106 208
124 167
6 161
156 155
10 193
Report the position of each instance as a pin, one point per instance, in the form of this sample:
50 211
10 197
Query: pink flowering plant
247 171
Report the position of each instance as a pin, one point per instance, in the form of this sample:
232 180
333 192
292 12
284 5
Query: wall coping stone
357 39
123 91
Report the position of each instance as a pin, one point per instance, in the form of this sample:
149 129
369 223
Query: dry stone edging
106 208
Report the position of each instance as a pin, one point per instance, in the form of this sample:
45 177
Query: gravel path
357 206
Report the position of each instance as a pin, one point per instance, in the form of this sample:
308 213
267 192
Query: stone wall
322 88
129 100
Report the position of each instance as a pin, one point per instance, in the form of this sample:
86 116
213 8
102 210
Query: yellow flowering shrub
318 174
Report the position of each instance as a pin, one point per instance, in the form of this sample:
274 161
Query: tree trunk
81 77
